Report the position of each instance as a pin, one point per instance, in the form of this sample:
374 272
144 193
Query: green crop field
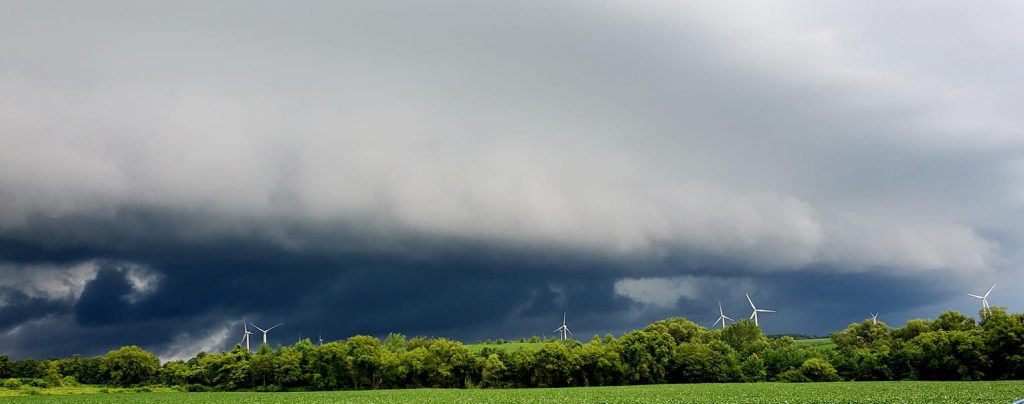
841 392
507 347
820 344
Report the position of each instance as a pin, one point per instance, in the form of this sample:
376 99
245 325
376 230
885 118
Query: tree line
675 350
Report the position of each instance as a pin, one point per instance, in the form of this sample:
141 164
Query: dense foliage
675 350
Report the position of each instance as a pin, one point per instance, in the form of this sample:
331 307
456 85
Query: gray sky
625 160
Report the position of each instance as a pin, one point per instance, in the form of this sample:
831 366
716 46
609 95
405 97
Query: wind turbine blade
751 301
990 290
717 321
278 325
975 296
766 310
752 315
258 328
567 330
727 318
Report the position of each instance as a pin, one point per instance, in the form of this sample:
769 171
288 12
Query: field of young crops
842 392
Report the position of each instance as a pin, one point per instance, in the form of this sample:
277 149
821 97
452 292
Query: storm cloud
474 170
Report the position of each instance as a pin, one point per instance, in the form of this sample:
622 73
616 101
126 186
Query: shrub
12 384
69 381
819 370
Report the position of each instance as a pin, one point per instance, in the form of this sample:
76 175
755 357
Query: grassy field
507 347
817 343
842 392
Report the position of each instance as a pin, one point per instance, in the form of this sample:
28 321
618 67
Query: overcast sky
474 169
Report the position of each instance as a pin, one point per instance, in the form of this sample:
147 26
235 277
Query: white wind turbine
874 318
563 331
756 310
266 331
984 298
245 336
320 338
721 316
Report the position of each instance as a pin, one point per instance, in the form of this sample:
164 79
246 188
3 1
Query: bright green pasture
821 344
507 347
841 392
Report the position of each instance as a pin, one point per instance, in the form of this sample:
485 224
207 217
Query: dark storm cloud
457 290
474 169
20 308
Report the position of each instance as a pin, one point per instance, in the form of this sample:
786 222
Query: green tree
752 368
393 371
556 365
329 366
395 343
28 369
1004 343
492 372
130 366
947 355
53 377
262 368
73 366
645 356
681 330
745 337
450 362
912 329
600 363
865 334
288 366
524 361
418 370
783 355
5 367
695 362
175 373
863 363
364 361
952 321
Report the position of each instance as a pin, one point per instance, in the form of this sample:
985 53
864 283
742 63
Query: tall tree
130 366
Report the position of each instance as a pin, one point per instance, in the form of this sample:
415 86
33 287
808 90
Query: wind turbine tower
984 298
753 315
245 336
563 331
721 316
320 338
266 331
